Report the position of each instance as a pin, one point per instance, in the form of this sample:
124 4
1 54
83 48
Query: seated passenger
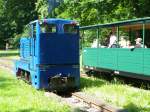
124 43
112 40
94 44
129 45
138 43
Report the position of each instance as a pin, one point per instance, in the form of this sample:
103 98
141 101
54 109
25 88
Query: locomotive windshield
48 28
70 28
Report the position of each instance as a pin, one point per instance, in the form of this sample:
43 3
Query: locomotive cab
52 55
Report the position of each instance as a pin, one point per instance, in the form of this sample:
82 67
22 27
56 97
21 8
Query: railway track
82 102
96 104
4 63
79 101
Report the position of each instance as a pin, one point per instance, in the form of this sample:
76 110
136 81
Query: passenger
124 43
94 44
112 40
138 43
129 44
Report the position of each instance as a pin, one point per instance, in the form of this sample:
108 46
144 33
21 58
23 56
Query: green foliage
14 42
20 13
89 12
42 8
14 15
9 54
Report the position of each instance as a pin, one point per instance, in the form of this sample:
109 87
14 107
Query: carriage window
48 28
70 28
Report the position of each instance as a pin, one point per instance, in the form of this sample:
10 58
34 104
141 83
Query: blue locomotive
49 55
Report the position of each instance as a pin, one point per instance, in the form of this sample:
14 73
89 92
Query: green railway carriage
128 61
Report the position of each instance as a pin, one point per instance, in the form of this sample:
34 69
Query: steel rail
96 103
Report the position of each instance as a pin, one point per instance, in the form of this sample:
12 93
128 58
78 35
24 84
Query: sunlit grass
9 54
122 95
9 51
17 96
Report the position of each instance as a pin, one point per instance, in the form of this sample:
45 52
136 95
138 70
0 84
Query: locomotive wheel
18 74
28 77
22 74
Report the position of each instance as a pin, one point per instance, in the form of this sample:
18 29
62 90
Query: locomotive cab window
48 28
70 28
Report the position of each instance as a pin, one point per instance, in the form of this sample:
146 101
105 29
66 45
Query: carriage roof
134 23
54 21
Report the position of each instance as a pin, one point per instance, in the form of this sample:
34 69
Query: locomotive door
32 51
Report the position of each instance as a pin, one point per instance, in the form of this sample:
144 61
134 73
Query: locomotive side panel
25 48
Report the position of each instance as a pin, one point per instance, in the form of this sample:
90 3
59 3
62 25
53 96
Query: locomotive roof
120 23
54 21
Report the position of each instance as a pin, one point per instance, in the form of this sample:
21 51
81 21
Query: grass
9 54
17 96
133 99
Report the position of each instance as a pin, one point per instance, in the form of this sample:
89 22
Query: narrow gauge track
4 64
79 101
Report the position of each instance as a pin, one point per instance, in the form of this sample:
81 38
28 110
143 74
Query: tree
20 12
14 14
42 8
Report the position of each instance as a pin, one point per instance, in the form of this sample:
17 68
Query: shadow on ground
90 82
8 54
138 83
134 108
4 79
32 110
6 83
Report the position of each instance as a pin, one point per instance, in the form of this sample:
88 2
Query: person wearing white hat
138 43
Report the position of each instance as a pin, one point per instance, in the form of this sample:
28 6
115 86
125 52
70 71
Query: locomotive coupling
60 83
